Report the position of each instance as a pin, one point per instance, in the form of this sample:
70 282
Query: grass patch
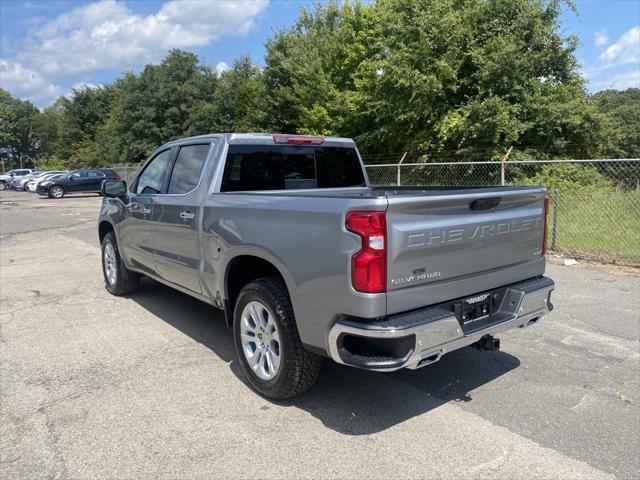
599 224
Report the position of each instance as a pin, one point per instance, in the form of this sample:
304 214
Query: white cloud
621 81
27 84
107 35
618 66
626 50
221 67
601 38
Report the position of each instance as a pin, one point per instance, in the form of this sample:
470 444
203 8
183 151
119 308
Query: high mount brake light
369 264
297 140
544 230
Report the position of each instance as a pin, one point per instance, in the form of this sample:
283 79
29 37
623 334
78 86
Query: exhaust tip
532 321
429 358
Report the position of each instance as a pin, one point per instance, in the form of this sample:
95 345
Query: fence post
503 165
555 201
398 167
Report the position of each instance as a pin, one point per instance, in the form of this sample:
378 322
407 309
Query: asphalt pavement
148 386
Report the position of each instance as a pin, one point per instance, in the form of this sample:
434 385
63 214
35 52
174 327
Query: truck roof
261 138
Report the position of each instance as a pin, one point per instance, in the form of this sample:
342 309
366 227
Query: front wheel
267 341
56 192
118 279
3 185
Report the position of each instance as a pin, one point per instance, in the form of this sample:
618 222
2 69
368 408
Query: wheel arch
241 270
105 227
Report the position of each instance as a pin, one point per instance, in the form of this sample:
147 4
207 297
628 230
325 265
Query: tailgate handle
484 203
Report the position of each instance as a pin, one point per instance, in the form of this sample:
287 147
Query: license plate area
484 310
475 308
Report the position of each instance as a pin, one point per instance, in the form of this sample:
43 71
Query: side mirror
113 188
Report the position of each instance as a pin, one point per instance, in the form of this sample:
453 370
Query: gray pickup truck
284 233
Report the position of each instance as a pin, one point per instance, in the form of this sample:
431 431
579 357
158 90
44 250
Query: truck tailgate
452 243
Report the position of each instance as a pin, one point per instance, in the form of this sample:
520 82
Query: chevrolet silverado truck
307 260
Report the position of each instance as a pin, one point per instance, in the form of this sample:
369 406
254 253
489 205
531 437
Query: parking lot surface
95 386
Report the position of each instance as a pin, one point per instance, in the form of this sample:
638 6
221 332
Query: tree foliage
442 79
18 138
622 109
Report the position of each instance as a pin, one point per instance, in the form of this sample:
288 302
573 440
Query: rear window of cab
280 167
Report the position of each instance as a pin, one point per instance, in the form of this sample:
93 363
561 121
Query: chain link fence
594 204
127 171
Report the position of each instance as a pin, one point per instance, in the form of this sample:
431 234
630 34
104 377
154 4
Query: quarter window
187 169
151 179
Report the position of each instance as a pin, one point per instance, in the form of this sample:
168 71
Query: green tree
309 75
18 139
157 106
622 109
468 78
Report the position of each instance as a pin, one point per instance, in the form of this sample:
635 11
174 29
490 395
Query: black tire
299 368
53 192
3 185
125 280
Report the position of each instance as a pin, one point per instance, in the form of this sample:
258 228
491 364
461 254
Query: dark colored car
77 181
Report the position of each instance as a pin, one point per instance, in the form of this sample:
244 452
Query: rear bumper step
421 337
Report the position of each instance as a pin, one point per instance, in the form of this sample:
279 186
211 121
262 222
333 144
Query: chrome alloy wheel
57 192
260 340
110 267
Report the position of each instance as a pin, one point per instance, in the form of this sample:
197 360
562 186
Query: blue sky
48 47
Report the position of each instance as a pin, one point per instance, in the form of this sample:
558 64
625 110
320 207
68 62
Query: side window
94 174
187 169
151 179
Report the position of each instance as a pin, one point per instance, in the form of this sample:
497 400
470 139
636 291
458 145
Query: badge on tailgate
418 275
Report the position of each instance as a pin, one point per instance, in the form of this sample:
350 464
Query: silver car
6 179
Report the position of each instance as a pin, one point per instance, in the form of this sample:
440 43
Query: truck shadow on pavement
345 399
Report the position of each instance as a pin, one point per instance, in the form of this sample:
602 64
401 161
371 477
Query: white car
32 184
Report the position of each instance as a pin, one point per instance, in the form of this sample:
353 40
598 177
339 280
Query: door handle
145 211
187 215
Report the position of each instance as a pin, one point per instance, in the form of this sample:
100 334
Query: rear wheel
267 341
118 279
56 192
3 185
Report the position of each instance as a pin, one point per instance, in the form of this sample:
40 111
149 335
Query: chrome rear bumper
523 305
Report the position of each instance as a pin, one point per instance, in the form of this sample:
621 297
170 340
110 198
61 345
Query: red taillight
298 140
118 178
544 231
369 264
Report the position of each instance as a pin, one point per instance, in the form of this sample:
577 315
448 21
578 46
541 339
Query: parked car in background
20 182
307 260
6 179
77 181
31 183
